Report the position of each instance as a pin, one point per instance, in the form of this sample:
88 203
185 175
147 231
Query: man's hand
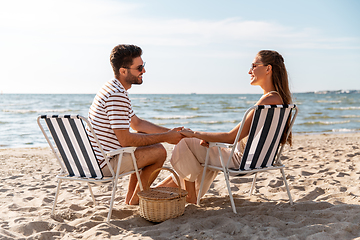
174 135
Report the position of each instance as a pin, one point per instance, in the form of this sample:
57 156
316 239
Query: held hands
187 132
174 135
178 133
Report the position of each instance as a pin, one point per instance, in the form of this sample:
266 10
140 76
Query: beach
323 172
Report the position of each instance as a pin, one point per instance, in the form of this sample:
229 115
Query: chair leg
56 196
201 186
230 193
137 171
253 184
112 200
202 178
287 186
91 192
114 187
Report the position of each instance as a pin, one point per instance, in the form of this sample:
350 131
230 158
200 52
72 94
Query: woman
267 71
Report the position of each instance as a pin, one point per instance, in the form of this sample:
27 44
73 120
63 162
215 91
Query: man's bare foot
128 197
135 199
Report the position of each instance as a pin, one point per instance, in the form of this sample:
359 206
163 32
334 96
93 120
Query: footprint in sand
30 228
313 194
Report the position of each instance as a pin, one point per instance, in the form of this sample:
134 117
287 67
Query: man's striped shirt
111 109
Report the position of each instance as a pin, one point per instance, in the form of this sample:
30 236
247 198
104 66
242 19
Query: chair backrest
266 131
73 144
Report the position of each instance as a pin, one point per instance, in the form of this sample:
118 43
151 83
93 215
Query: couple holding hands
111 117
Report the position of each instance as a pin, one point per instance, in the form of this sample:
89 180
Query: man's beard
132 79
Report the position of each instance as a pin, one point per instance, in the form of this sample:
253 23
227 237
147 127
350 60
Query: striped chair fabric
76 156
262 151
264 136
73 144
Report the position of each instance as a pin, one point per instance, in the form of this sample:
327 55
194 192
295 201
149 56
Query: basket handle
152 177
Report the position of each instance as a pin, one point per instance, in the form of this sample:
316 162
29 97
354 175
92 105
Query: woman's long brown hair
280 81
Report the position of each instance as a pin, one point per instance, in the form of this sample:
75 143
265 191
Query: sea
328 112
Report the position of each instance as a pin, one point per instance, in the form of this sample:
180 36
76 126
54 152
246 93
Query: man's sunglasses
139 68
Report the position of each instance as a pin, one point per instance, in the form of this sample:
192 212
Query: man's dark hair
122 56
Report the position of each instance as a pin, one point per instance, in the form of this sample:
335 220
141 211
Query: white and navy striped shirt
111 109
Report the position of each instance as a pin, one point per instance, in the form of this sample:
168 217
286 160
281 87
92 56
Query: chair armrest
121 150
219 144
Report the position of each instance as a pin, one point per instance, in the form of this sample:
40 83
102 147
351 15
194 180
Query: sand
322 170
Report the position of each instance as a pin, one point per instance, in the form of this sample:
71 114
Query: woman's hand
204 143
187 132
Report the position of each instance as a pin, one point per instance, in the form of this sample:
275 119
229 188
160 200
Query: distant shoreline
341 91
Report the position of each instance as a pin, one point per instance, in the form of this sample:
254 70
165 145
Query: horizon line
194 93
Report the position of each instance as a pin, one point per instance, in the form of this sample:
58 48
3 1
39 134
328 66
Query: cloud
105 22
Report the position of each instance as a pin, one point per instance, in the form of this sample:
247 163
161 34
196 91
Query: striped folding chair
261 151
72 148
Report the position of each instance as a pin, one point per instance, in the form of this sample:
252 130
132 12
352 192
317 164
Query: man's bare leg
131 188
149 158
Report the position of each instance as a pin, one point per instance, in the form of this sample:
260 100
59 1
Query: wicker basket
162 203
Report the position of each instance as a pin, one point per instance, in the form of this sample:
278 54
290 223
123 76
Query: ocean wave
176 117
350 116
250 102
331 117
173 123
317 117
324 123
343 108
186 106
345 130
328 101
36 111
216 122
233 108
210 122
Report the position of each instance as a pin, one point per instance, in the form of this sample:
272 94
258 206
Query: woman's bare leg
190 188
168 182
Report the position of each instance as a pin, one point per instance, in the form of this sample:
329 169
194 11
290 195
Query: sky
189 46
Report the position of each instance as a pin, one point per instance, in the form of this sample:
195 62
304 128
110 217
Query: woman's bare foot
190 188
191 199
168 182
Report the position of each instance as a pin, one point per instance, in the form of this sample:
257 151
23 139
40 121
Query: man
111 116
